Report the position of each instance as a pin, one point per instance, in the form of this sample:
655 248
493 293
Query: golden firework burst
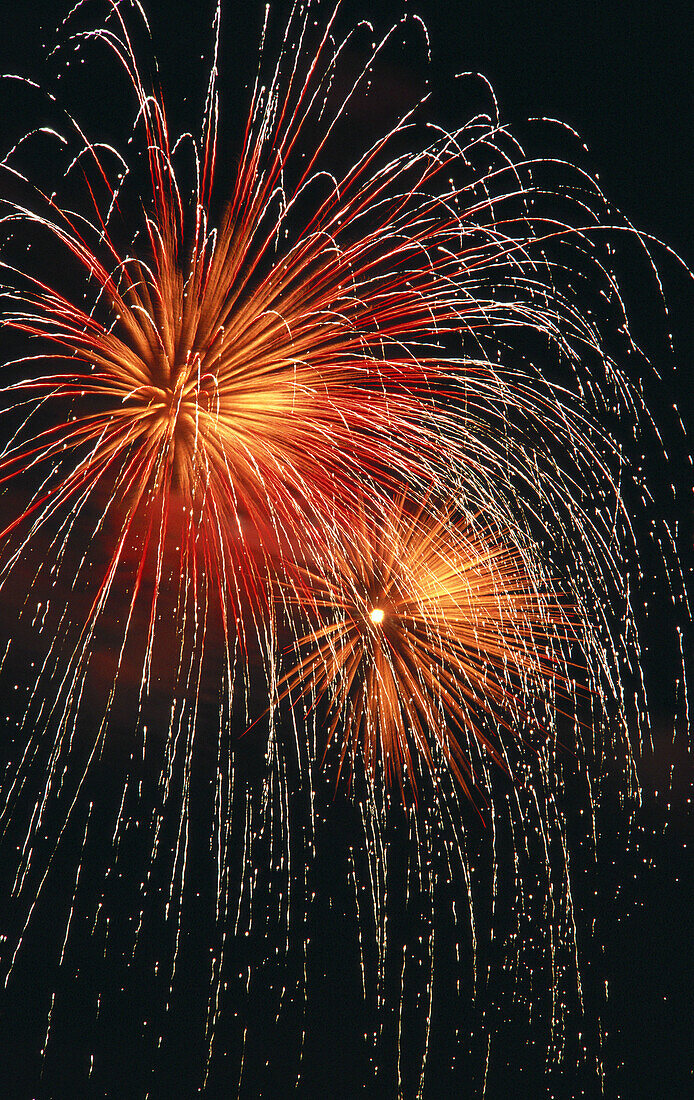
435 639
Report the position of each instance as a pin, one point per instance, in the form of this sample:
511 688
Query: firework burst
433 626
225 461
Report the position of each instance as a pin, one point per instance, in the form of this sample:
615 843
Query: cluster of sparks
317 447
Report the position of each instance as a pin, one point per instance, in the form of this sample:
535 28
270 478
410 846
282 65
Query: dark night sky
621 75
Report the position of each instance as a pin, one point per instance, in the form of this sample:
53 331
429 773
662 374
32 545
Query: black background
621 76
